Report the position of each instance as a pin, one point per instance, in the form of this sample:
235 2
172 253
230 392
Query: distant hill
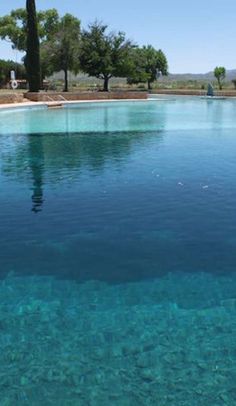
209 76
204 77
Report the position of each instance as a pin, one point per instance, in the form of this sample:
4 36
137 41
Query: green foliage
61 51
46 60
48 23
5 69
13 27
32 60
59 38
105 55
220 73
96 52
147 64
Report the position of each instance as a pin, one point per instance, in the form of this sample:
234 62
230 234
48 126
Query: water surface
119 192
118 253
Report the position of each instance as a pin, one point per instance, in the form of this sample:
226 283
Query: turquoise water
118 253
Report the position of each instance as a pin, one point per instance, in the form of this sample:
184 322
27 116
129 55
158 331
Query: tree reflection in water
36 164
60 156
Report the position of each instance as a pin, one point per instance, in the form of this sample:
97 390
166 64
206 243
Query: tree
105 55
59 39
61 51
220 73
13 27
32 60
148 63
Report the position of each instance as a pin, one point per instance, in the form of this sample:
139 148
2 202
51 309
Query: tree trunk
219 84
32 50
149 85
106 84
66 81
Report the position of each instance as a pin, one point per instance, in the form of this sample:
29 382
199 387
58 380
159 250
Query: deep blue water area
120 205
118 253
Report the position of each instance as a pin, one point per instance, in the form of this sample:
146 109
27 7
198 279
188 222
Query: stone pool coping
22 97
63 103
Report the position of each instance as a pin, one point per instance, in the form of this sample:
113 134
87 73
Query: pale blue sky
195 35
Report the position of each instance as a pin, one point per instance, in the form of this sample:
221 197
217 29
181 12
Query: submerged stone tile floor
166 342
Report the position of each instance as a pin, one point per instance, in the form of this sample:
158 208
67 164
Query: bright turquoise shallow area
118 253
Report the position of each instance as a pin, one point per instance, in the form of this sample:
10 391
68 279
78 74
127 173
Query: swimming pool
118 253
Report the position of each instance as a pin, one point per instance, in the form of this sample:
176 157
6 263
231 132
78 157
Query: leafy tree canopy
148 63
220 73
105 55
13 27
59 39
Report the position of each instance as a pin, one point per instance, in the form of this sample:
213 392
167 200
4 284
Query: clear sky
195 35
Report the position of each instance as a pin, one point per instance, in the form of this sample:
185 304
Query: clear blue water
118 253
